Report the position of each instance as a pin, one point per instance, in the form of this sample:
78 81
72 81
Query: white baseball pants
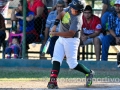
68 47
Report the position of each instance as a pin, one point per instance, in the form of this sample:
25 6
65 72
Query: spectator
91 30
14 46
36 6
51 3
108 7
31 34
66 3
49 24
2 29
114 28
41 12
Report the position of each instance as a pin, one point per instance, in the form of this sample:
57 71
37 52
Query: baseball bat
45 48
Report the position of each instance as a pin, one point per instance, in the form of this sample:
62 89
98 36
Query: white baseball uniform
68 46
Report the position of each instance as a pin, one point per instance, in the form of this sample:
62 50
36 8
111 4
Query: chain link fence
33 35
34 45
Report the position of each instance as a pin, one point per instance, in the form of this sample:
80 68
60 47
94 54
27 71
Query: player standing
68 42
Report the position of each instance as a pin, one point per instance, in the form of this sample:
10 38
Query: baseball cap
117 2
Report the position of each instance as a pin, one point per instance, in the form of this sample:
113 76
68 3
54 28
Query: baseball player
67 44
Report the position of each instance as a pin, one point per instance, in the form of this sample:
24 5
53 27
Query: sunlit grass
29 74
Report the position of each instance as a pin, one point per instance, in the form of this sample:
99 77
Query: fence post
93 2
24 30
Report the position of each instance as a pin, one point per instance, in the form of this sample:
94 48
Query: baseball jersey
71 22
92 26
114 23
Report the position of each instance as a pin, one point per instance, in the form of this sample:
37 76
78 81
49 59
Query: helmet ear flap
81 10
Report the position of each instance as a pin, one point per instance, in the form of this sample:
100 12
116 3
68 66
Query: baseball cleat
52 85
89 78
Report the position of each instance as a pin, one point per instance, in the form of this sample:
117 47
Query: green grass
40 74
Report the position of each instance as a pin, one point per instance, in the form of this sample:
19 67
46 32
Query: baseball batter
68 42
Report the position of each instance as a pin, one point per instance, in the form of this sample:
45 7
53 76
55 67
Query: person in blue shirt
67 2
107 8
114 28
17 14
50 23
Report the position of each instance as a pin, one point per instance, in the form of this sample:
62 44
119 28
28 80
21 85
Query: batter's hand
53 28
52 34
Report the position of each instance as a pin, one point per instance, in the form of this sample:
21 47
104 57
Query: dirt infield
38 85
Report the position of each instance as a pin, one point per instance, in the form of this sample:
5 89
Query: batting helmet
77 4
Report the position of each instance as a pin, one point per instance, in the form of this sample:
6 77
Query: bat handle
50 36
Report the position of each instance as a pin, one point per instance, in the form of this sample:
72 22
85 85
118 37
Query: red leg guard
53 80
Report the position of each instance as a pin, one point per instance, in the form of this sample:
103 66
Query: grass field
37 73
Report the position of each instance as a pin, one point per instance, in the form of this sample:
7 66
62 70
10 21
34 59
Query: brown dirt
43 84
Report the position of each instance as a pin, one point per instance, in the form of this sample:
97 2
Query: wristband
56 22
